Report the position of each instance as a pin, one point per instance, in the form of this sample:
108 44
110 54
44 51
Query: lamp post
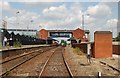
83 26
83 16
83 21
2 32
29 23
27 28
17 23
40 27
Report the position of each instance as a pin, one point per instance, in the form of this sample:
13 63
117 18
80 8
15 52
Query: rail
20 63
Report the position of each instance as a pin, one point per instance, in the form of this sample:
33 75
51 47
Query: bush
78 51
63 43
118 37
17 44
0 45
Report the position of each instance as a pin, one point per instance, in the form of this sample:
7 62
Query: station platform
107 66
22 47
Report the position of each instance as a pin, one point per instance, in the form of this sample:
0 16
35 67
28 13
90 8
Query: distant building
22 31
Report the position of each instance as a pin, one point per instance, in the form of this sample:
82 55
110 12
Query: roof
20 30
60 30
87 31
103 32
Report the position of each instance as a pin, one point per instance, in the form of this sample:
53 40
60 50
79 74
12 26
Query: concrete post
88 49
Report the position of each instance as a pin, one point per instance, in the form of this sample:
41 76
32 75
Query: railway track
109 68
48 62
56 65
12 63
6 54
19 56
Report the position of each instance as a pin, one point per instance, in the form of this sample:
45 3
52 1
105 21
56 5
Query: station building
78 34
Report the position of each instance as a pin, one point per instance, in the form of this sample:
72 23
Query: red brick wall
116 49
43 34
92 49
78 33
102 44
82 46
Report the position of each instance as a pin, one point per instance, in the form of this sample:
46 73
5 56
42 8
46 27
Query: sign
60 34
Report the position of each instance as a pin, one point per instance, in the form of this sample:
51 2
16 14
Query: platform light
83 22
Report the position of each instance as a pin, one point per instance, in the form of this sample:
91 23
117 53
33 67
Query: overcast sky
67 14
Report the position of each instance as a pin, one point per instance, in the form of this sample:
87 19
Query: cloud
76 7
112 23
55 12
64 16
34 0
5 5
99 11
55 17
22 20
89 19
62 0
110 0
6 9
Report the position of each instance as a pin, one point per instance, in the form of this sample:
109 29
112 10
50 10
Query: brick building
43 34
77 34
102 44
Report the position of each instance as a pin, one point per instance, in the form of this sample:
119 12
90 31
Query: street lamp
29 23
83 15
17 23
83 27
40 26
83 21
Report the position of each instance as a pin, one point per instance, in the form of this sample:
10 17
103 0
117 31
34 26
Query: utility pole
27 29
83 26
83 21
17 23
4 24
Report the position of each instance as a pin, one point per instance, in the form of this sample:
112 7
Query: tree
63 43
118 37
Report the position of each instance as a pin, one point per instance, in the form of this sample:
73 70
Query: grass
44 44
0 45
17 44
78 51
